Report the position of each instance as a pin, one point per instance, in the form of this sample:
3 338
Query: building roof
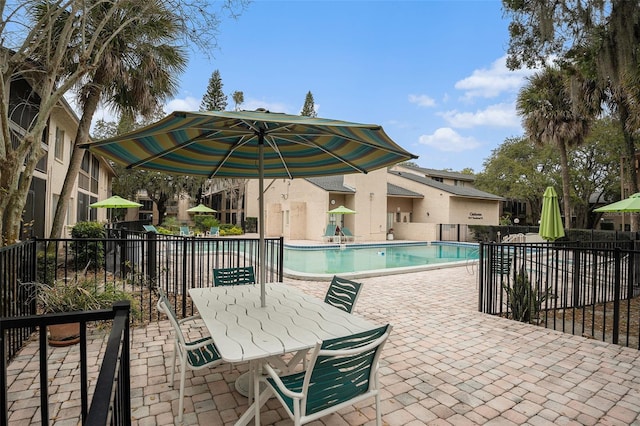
442 173
461 191
331 183
395 190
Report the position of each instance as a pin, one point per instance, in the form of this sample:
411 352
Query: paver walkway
445 364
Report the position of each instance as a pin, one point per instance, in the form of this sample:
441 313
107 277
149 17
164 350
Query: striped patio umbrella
253 144
551 227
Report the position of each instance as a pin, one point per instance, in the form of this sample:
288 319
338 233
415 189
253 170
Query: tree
595 170
214 98
36 51
601 38
308 110
550 116
238 99
160 187
122 80
518 170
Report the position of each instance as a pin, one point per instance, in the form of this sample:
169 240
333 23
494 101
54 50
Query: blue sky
432 73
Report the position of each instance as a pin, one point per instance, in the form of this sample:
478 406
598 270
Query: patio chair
348 235
342 293
185 231
213 232
196 355
233 276
341 372
150 228
330 233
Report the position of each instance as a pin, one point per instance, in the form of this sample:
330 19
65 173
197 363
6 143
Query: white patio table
292 322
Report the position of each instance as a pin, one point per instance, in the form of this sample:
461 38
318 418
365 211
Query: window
59 148
89 173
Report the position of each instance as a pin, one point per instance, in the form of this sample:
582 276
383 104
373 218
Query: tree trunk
566 194
629 159
82 136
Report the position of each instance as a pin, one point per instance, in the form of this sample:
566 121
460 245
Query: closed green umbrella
253 144
551 227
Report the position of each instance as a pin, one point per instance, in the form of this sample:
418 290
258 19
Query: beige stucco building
416 203
93 182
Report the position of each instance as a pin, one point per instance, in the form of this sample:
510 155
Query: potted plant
80 294
390 234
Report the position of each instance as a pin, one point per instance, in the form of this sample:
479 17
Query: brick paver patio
445 364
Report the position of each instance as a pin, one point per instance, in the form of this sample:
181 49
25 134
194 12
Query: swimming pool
370 260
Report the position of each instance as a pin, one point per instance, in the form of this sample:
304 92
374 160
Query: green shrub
169 225
46 267
227 229
204 222
88 252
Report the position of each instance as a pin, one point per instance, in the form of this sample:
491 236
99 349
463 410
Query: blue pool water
354 259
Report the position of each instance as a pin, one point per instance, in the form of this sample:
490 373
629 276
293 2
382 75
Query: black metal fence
136 262
17 265
590 289
111 399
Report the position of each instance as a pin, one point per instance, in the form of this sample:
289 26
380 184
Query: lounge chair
185 231
150 228
342 372
213 232
330 233
347 234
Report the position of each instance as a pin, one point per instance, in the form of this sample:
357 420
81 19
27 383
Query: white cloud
447 139
497 115
489 83
422 100
189 103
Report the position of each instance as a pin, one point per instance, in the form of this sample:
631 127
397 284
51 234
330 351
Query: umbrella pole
262 254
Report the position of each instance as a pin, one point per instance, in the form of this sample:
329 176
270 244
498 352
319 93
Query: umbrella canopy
201 208
253 144
341 210
628 205
551 227
115 202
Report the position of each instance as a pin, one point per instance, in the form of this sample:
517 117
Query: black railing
140 262
590 289
17 265
110 403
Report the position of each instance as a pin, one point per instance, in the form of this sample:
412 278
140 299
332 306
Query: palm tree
137 71
558 109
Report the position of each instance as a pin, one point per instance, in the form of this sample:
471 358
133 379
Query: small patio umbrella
115 202
551 227
253 144
628 205
201 208
341 210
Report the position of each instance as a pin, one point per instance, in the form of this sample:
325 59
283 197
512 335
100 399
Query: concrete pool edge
383 272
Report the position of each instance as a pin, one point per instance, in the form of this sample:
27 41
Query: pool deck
444 364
